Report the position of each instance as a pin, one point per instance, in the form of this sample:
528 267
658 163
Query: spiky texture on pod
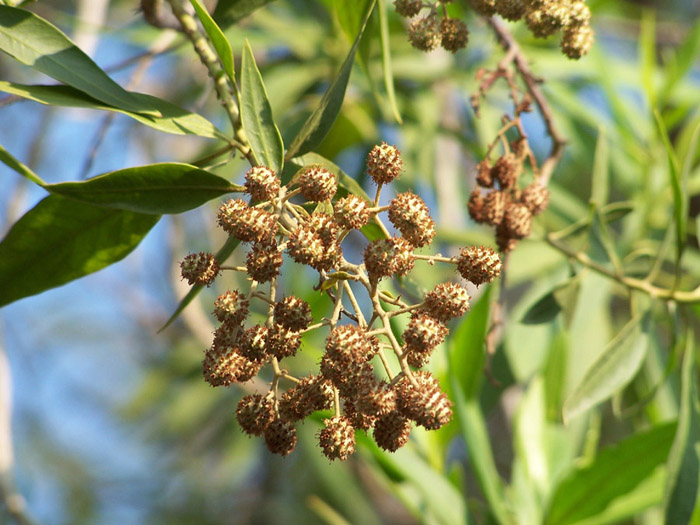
512 10
226 335
349 343
494 208
262 183
478 264
337 439
254 413
358 419
484 7
377 399
506 171
426 404
326 228
505 242
351 212
315 243
408 8
264 261
200 268
231 307
577 40
517 221
245 223
252 343
424 33
311 394
548 19
317 184
483 174
454 34
446 300
579 13
391 431
223 366
417 357
351 379
411 216
281 342
385 257
475 205
424 332
280 437
535 197
384 163
293 313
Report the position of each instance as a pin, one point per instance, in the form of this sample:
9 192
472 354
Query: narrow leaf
320 122
228 12
543 311
615 367
60 240
386 61
256 115
39 44
600 179
647 54
221 44
683 59
11 162
156 188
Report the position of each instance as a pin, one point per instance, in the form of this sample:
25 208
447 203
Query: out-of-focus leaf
60 240
544 310
256 115
155 188
386 61
684 462
11 162
616 470
173 119
319 123
228 12
531 439
600 180
683 59
223 48
555 375
39 44
226 250
647 54
616 367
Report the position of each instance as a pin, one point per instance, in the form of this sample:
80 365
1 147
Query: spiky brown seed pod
231 307
517 221
506 171
245 223
577 40
252 343
475 205
512 10
411 216
426 404
391 431
454 34
311 394
478 264
505 242
579 13
223 366
305 245
351 379
424 332
408 8
325 226
384 163
317 184
264 261
337 439
446 300
417 357
226 335
349 343
495 204
281 342
548 19
199 268
424 33
262 183
385 257
351 212
315 243
293 313
280 437
358 419
377 399
484 7
535 197
483 174
254 413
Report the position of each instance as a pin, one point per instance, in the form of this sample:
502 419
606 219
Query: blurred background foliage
112 422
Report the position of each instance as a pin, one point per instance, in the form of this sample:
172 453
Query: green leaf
467 348
39 44
616 470
60 240
600 179
155 188
320 122
221 44
543 311
647 54
226 250
11 162
615 367
683 59
228 12
256 115
173 118
386 61
683 462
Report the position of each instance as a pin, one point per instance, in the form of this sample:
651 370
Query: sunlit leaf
228 12
223 48
11 162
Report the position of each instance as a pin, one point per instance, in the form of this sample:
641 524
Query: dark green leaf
600 179
373 232
60 240
320 122
173 119
615 471
156 188
544 310
223 48
682 60
228 12
11 162
256 115
41 45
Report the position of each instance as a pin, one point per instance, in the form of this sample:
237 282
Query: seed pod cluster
309 218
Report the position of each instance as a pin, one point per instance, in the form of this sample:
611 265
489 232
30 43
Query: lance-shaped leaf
11 162
256 115
320 122
60 240
228 12
41 45
223 48
156 188
173 119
